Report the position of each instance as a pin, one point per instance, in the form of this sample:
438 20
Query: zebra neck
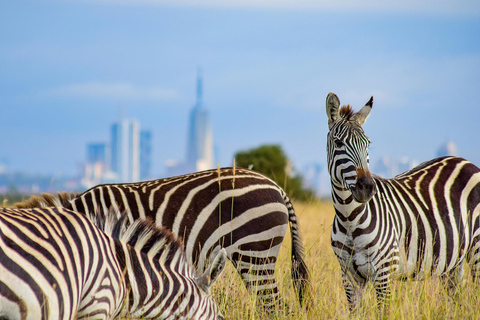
346 207
139 275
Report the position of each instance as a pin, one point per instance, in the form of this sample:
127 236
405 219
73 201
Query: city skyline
67 72
125 158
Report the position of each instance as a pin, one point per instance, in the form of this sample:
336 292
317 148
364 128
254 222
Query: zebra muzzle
364 188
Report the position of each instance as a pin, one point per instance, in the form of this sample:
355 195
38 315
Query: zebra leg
354 291
382 290
474 258
451 279
258 275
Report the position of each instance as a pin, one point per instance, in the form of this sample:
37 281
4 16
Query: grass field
410 299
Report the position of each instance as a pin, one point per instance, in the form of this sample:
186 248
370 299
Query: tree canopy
272 161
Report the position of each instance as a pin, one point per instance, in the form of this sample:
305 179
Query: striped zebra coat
232 208
57 264
422 222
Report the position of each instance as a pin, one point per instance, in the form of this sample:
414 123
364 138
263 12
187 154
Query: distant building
97 167
447 149
200 138
200 151
125 148
127 159
97 152
145 154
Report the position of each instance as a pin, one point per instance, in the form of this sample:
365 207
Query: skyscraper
200 140
145 154
97 152
125 146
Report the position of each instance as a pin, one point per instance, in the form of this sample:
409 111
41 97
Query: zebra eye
338 144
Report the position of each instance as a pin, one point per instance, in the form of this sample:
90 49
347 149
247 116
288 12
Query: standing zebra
239 210
57 264
422 222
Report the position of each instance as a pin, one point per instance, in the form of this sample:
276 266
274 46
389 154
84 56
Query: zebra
58 264
233 208
422 222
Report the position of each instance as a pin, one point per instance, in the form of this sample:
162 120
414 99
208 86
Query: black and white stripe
419 223
232 208
57 264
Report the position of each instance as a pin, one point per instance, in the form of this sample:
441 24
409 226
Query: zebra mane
62 199
346 112
142 234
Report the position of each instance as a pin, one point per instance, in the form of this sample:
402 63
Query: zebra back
62 199
233 208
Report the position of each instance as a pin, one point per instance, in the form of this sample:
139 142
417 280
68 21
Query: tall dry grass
410 299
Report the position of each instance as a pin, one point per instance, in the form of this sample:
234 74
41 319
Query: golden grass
410 299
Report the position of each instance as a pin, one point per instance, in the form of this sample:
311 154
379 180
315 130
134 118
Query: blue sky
68 69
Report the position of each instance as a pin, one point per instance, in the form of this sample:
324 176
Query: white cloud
447 7
114 91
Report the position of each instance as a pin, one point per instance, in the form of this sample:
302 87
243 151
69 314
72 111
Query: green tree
272 161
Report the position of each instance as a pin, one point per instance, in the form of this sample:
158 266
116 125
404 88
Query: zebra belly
427 264
266 226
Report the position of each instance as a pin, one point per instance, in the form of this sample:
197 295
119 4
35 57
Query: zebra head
347 149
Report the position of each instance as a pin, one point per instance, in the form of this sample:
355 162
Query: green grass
410 299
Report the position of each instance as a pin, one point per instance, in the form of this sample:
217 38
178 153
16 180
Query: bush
272 161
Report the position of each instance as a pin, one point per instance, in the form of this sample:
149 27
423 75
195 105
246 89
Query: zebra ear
333 103
363 114
208 278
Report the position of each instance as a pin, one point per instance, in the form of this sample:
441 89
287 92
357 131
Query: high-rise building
96 168
200 139
145 154
125 147
97 152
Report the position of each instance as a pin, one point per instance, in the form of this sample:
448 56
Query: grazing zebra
422 222
232 208
57 264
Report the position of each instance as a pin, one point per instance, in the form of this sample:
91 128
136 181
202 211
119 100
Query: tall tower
200 139
125 146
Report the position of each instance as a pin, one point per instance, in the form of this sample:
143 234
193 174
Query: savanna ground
410 299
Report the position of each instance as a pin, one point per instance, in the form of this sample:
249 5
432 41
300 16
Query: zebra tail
300 274
62 199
